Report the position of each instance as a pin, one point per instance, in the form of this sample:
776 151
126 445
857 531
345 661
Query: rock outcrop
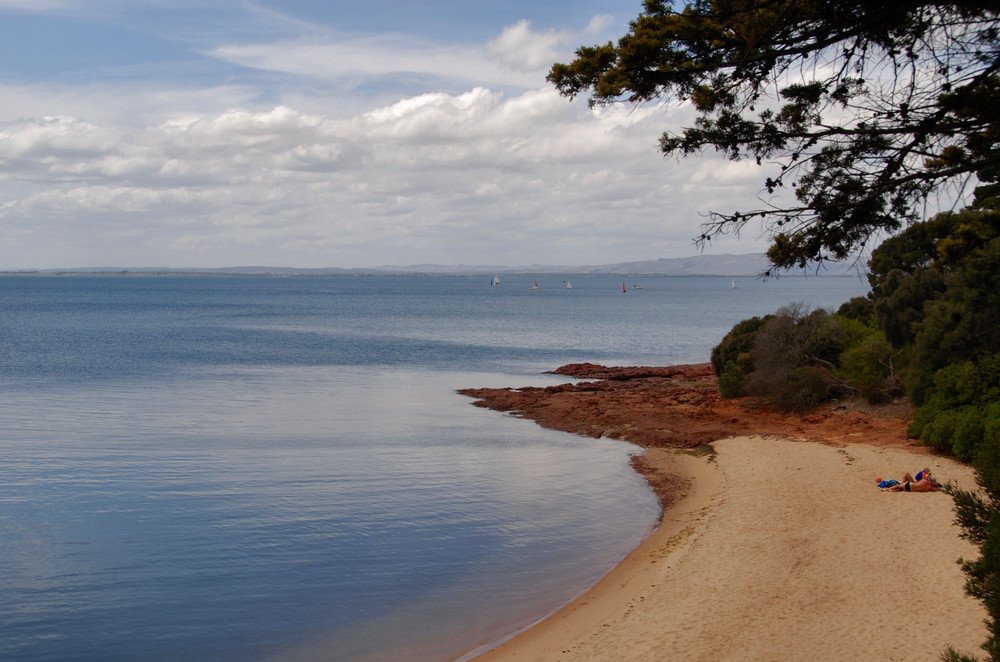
680 407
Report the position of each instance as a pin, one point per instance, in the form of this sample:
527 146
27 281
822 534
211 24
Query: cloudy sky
333 134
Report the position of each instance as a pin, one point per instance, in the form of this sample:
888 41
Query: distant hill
751 264
698 265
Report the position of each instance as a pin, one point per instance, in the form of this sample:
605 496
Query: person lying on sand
907 478
925 484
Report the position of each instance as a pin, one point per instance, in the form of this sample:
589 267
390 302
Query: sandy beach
776 548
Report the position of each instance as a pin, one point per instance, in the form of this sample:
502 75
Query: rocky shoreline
680 407
773 537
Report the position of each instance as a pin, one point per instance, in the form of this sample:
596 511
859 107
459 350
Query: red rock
680 407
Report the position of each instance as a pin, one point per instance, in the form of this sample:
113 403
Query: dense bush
798 358
961 414
978 515
869 362
935 302
900 301
795 355
962 323
861 309
732 359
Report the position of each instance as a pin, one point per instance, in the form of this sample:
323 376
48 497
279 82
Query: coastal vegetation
865 112
929 330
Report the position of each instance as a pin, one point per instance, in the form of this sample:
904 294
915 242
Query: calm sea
212 468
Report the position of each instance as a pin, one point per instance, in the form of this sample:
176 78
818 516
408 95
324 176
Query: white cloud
352 60
487 164
599 24
519 48
519 56
437 177
522 49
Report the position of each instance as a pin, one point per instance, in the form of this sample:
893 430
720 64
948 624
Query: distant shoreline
119 273
750 265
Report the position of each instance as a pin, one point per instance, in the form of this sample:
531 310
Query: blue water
200 468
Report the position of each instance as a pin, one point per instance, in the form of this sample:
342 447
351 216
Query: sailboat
624 289
534 287
569 285
734 283
496 280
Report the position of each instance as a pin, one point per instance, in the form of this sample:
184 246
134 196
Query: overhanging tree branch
888 103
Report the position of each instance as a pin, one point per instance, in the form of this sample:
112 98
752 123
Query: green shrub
731 381
961 410
861 309
969 433
868 361
933 427
795 388
900 304
978 514
732 359
962 324
795 355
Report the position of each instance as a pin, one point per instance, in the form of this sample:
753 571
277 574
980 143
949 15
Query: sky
310 134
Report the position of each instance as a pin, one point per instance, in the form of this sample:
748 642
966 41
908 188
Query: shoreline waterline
770 541
697 485
744 568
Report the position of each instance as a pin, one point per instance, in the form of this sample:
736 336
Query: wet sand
771 547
